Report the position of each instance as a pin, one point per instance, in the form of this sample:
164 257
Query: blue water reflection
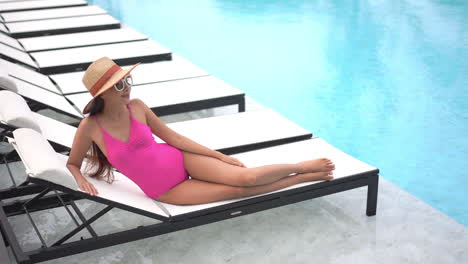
385 81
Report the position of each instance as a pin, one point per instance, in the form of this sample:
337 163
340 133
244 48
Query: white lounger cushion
28 75
42 162
56 131
172 92
60 23
145 73
21 116
54 58
40 159
34 92
52 13
17 55
29 5
239 129
81 39
345 164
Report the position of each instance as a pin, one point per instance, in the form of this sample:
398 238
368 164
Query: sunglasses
120 86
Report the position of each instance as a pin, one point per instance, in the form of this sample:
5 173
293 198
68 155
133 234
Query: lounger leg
5 241
372 191
242 104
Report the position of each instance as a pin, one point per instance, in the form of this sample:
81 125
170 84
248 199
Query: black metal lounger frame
168 224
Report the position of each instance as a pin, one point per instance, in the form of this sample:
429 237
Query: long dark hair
98 166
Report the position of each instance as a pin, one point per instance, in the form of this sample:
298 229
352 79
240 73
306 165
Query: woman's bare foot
316 176
316 165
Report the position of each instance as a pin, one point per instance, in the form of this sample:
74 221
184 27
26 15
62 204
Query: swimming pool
385 81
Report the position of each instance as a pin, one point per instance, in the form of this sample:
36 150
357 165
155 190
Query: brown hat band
104 78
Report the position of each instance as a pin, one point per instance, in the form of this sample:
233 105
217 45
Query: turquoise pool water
383 80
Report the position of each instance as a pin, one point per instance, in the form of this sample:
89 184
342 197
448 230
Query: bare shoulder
86 122
87 126
138 103
139 110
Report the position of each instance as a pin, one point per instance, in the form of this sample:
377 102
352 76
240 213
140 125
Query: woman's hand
88 187
231 160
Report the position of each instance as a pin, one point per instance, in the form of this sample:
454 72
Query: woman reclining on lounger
119 132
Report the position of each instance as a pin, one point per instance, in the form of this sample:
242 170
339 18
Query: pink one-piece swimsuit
154 167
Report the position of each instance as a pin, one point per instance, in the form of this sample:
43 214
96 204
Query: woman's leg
194 191
210 169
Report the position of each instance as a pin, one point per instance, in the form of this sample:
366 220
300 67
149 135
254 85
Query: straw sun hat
101 75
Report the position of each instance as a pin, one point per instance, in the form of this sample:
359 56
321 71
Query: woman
120 131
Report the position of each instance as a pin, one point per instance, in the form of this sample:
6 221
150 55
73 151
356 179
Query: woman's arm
160 129
81 143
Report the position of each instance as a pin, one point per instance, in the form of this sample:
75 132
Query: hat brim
107 85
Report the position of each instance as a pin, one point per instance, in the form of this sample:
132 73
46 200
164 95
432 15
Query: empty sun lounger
146 73
75 40
71 83
36 28
274 129
51 13
47 168
13 6
28 75
75 59
37 97
178 96
43 93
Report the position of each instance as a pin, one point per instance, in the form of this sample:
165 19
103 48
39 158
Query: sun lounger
171 97
70 83
146 73
36 28
20 16
38 88
75 59
37 96
13 6
76 40
19 72
47 168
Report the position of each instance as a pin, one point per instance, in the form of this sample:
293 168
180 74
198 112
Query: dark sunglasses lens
119 86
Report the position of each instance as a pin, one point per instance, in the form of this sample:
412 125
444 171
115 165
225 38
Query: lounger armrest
16 112
40 159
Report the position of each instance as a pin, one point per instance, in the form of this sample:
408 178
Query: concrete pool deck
330 229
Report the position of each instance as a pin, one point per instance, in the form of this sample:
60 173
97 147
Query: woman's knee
247 178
